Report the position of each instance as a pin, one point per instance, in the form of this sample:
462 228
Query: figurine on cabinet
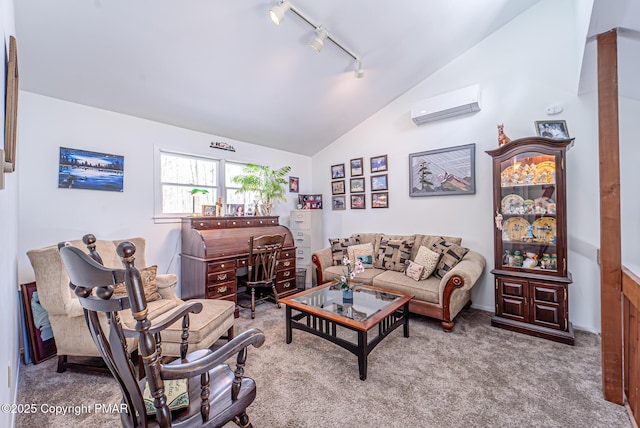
498 220
502 138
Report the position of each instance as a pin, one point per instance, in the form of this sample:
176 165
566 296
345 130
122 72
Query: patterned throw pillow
451 256
414 270
339 248
427 258
362 252
148 276
176 392
393 254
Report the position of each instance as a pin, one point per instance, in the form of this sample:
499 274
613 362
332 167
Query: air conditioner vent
462 101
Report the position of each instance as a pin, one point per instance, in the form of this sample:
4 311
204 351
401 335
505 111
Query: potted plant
267 183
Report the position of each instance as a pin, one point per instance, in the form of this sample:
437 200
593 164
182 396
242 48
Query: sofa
66 315
437 297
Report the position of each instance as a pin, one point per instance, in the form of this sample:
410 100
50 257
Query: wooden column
610 244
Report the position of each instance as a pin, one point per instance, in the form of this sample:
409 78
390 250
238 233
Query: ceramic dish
544 229
545 173
512 204
516 228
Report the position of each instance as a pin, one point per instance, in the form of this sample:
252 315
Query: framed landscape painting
82 169
356 167
443 172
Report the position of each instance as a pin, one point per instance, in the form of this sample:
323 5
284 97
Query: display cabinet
530 235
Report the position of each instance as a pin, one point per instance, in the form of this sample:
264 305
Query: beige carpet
477 376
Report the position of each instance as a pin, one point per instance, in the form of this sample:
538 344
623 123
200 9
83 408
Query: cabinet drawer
220 290
208 224
220 266
512 287
547 293
303 256
287 254
266 221
286 285
300 220
301 238
220 277
241 222
285 274
286 264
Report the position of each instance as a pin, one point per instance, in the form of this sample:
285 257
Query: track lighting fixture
277 14
318 42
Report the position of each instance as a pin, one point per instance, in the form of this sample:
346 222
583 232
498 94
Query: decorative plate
544 229
516 228
545 173
512 204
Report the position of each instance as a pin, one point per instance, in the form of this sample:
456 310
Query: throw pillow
451 256
413 270
362 252
429 259
148 276
176 392
393 254
339 248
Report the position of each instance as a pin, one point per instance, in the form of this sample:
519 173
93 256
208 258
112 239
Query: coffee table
321 309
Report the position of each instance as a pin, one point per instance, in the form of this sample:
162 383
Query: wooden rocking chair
216 394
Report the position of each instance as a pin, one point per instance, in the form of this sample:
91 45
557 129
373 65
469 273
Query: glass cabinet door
528 195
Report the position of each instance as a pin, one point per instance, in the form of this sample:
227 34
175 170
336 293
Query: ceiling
223 68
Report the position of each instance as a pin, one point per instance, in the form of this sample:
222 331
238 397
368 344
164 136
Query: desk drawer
286 274
289 253
286 285
220 277
242 262
208 224
220 266
266 221
286 264
220 290
241 222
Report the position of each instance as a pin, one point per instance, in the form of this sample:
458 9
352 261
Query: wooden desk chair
216 394
264 252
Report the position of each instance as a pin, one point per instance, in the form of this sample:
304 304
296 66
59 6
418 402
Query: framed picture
39 330
235 210
380 200
357 185
11 107
337 171
379 163
338 203
337 187
379 182
556 129
208 210
293 184
358 202
357 167
310 202
442 172
82 169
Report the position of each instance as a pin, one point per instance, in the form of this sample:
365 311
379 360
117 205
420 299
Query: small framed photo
208 210
379 182
41 340
337 187
293 184
555 129
357 167
337 171
235 210
379 163
357 185
338 203
310 202
358 202
380 200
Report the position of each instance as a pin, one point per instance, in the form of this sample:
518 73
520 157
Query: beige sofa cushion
393 254
427 290
339 248
451 256
362 251
334 272
429 259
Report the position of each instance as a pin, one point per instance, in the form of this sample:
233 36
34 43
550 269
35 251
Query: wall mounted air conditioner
455 103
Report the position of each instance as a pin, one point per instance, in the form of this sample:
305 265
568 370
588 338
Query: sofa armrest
166 286
322 259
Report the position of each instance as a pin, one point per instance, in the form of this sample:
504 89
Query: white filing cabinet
306 227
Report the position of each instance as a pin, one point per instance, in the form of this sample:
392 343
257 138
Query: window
180 173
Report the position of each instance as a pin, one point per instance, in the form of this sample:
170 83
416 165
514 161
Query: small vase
347 295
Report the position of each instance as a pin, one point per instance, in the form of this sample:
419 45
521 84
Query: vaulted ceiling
222 67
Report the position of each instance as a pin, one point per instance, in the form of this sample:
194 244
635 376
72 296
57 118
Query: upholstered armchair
67 316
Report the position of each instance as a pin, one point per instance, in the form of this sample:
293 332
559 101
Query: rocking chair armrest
172 317
202 365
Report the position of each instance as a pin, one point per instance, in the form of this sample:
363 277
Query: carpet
476 376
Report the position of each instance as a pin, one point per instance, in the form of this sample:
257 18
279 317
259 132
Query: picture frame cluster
357 181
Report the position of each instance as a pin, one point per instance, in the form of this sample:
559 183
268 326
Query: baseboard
483 308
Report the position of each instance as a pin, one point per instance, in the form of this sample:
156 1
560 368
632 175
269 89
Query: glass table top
365 303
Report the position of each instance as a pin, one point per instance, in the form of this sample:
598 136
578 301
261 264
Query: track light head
278 11
318 42
359 71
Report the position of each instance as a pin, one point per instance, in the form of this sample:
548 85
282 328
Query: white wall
629 179
9 325
521 69
49 214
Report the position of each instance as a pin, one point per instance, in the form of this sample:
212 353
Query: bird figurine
502 137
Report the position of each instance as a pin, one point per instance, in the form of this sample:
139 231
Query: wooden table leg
288 325
362 354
